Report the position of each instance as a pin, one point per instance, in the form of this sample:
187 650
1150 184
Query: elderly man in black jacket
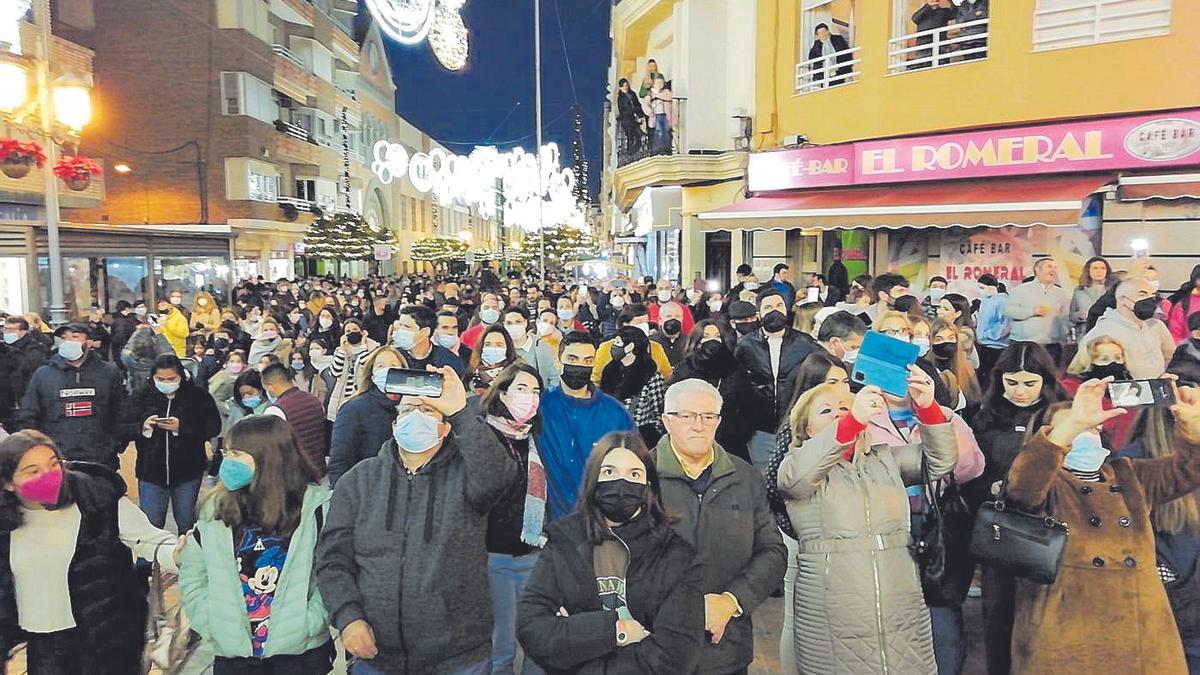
835 49
767 360
723 512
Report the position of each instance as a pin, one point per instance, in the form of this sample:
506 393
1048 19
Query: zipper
403 558
167 436
862 488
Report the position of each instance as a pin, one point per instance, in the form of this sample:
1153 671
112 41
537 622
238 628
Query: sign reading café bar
1144 141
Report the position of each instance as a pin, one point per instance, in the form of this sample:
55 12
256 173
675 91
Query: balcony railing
636 140
287 54
937 47
299 203
828 71
352 94
295 131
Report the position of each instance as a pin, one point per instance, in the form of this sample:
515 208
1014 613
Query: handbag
1027 545
168 643
942 547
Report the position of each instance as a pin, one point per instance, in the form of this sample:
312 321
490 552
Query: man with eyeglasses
723 511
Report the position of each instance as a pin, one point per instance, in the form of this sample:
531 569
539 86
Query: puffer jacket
858 601
78 407
168 459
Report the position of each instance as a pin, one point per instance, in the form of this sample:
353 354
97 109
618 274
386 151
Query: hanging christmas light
449 38
411 22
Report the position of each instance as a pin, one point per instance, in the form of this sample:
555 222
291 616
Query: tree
563 244
437 250
343 236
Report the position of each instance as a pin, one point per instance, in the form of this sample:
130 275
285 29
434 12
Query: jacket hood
93 483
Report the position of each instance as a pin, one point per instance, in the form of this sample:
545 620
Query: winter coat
29 354
164 458
304 414
405 552
8 402
732 529
858 601
1177 315
1000 437
538 354
280 347
211 587
78 407
175 330
1107 584
841 54
206 316
763 395
663 578
362 426
123 326
220 388
108 598
1185 362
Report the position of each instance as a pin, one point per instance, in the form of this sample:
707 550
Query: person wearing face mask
176 418
76 398
249 398
635 315
575 615
246 575
947 356
515 523
530 346
270 341
1181 305
674 325
489 313
400 561
549 333
1132 323
124 322
363 424
743 317
1186 359
834 461
1109 575
205 313
937 291
768 359
27 352
714 307
841 334
617 301
347 367
633 379
221 384
494 354
73 593
302 411
413 335
174 326
447 335
326 327
708 356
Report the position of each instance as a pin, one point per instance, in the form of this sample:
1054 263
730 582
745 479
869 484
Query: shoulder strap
319 515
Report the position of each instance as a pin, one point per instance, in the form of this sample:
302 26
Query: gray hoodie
406 552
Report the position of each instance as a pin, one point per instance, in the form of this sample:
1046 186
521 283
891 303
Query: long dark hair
1085 277
594 520
695 337
1183 296
624 383
510 351
274 497
249 377
491 403
1029 357
12 449
812 373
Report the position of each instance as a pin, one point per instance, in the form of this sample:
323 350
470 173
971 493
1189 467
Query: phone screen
883 361
1141 393
413 383
814 294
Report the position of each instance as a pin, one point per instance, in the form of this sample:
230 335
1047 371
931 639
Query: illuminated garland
562 244
344 236
438 250
411 22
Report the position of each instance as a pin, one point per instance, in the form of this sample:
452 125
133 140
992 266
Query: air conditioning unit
794 140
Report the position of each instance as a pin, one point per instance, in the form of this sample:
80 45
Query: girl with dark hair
176 418
493 354
575 615
68 585
956 309
326 327
247 579
708 356
1179 306
249 397
514 533
1095 278
633 378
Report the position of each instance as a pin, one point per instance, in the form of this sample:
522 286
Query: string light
449 38
412 22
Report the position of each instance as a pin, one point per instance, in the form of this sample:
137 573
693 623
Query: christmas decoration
449 38
344 236
437 250
411 22
563 244
77 171
17 158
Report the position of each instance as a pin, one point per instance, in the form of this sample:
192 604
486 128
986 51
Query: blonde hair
1084 358
798 417
806 318
364 375
892 314
1180 515
964 375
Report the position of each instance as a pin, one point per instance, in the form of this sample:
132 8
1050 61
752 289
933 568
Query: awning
1049 200
1158 186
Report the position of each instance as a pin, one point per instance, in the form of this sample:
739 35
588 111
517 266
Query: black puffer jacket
167 459
30 354
108 599
761 394
664 580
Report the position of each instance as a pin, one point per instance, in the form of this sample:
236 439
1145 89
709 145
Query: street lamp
122 168
465 235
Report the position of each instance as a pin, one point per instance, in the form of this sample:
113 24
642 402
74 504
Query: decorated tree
563 244
436 250
344 236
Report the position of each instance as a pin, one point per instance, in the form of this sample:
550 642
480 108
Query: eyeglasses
708 419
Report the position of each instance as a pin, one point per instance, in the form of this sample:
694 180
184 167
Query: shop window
125 279
1058 24
190 275
937 33
12 285
80 288
828 54
245 268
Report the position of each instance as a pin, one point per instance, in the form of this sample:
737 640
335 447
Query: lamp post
537 70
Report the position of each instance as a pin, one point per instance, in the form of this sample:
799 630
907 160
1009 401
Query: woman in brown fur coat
1107 611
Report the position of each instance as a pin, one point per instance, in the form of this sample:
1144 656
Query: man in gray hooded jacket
401 562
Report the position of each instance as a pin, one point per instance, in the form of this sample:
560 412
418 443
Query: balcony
290 76
639 141
293 144
826 72
287 55
938 47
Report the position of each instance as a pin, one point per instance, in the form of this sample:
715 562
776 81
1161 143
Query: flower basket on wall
17 159
77 171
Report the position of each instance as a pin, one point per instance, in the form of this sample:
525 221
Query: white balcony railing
287 55
1095 21
938 47
827 71
350 93
294 130
301 204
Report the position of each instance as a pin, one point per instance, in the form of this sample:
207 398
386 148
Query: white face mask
715 306
664 296
923 344
544 328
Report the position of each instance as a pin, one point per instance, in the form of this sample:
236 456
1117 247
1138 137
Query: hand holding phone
884 362
1141 393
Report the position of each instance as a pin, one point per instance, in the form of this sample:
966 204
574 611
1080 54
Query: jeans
662 134
947 638
787 637
762 444
365 668
507 576
154 498
317 661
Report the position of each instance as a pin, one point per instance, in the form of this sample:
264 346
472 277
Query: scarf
535 483
485 374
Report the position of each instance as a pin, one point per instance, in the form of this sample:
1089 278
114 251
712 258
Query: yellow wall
1014 84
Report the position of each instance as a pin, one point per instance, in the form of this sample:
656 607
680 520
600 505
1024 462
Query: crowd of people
614 477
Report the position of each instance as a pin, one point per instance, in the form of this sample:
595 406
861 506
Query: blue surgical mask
297 365
404 339
70 350
252 402
922 344
1087 453
493 355
489 315
271 398
415 432
447 341
235 474
379 378
167 388
11 338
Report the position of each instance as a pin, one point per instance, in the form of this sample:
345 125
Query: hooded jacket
78 407
164 458
362 426
29 354
206 315
405 552
175 330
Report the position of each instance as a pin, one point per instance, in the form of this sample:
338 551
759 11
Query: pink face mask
44 489
522 405
234 368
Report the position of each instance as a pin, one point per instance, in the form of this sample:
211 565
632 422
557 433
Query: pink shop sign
1144 141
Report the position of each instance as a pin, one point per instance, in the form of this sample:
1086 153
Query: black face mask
354 338
221 343
575 376
747 327
672 326
1117 371
620 499
713 351
774 321
945 350
1145 309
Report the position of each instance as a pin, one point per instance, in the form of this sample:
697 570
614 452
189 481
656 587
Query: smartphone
413 383
152 319
883 361
1141 393
813 294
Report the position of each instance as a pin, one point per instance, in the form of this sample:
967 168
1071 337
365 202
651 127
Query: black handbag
942 547
1027 545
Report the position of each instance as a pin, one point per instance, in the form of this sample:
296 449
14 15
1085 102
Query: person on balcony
648 82
835 49
931 16
659 105
968 11
632 120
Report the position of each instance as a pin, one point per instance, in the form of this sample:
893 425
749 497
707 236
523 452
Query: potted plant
17 159
77 171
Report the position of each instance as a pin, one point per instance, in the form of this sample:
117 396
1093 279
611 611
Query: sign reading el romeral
535 190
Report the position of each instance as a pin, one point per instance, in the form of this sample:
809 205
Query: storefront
960 205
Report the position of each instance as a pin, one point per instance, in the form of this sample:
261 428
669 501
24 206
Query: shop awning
1049 200
1159 186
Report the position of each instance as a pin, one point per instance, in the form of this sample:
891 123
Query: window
244 94
251 179
932 37
316 58
321 191
1058 24
262 187
827 55
248 15
317 123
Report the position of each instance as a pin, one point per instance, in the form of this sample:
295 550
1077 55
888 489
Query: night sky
491 101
